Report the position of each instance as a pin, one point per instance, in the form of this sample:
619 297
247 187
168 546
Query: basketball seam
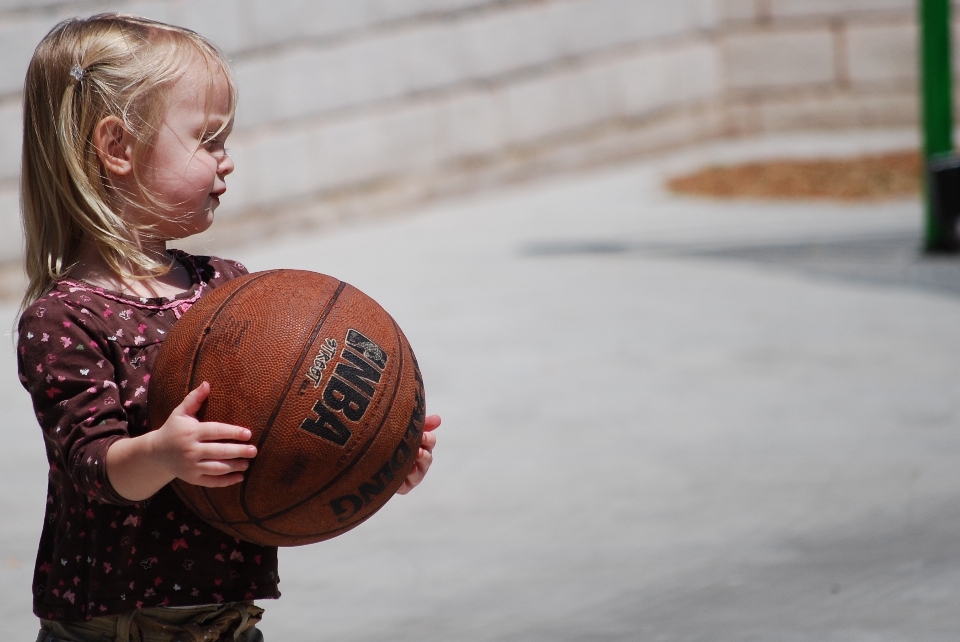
196 359
276 411
213 318
346 469
325 534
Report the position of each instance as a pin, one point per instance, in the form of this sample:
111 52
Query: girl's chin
190 229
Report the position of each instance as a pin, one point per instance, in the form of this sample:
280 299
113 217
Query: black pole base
943 181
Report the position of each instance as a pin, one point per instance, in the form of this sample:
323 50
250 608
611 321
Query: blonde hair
83 71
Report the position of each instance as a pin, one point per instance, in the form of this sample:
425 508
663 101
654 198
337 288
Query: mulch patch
862 178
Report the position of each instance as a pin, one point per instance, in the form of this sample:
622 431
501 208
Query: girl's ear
114 146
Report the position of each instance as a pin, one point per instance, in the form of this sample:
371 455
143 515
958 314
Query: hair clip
77 72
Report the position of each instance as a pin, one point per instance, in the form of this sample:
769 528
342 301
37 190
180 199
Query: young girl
124 127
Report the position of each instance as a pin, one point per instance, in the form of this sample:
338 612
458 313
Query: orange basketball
324 379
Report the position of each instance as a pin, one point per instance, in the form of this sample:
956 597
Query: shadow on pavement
891 260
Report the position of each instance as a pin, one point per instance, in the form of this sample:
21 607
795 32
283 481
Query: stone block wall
349 107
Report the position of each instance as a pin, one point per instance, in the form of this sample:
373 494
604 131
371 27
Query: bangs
219 91
220 96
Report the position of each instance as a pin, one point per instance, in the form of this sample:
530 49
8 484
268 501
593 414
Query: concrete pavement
664 419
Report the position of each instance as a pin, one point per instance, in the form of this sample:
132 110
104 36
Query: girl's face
186 167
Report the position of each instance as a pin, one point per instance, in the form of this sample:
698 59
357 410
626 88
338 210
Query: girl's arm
200 453
63 364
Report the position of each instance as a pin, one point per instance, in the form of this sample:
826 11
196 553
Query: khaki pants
221 623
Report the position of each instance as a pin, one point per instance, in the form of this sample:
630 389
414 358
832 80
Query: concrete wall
353 106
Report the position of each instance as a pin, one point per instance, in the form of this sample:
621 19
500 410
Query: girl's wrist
154 459
135 468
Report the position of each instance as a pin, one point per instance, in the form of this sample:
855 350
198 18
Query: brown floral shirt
85 355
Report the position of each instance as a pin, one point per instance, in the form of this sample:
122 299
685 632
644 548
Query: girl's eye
215 146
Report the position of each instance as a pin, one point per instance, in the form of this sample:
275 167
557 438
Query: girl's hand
199 452
424 457
183 447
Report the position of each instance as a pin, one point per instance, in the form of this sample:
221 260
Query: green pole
937 101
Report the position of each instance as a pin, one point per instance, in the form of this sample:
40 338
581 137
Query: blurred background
353 107
695 387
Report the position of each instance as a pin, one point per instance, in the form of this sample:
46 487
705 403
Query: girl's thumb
194 399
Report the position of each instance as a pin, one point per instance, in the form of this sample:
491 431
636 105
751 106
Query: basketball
326 382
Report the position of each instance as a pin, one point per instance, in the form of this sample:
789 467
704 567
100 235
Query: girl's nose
225 166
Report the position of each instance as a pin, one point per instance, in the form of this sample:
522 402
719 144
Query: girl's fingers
424 459
219 481
220 451
215 431
219 467
412 480
428 441
194 399
417 473
215 473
